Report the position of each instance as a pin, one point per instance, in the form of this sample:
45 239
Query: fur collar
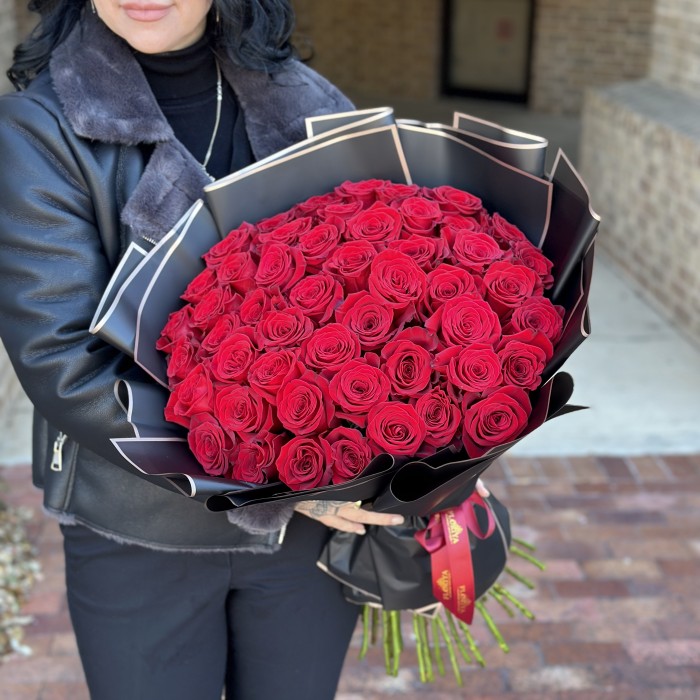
105 97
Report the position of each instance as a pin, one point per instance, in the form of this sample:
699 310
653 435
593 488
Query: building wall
676 45
586 43
640 152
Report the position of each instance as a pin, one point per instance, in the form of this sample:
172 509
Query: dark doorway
487 47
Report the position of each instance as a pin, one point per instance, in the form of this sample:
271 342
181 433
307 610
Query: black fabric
184 85
154 625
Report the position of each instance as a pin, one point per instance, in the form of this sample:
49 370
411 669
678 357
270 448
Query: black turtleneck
184 85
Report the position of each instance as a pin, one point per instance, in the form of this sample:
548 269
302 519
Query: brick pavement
618 610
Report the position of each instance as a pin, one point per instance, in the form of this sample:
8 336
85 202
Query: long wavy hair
254 34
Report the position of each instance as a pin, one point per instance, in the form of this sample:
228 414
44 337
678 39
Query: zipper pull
57 460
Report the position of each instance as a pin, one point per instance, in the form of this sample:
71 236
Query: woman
125 109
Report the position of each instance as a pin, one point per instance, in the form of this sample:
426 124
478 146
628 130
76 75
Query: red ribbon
446 538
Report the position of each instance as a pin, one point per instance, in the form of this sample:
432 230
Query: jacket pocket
59 470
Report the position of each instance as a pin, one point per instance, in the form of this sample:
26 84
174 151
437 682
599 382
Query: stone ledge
675 110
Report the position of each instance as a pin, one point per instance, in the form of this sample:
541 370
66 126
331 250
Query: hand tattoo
320 509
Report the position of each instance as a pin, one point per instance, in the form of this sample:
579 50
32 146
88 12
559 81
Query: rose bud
305 463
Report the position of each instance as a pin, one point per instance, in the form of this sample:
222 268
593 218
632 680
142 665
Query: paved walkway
618 610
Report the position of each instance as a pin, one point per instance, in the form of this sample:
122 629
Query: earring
92 6
217 16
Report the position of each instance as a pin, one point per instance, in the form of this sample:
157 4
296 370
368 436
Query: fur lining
106 97
262 518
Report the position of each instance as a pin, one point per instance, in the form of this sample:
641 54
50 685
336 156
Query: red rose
408 366
420 216
286 234
508 286
237 271
317 296
280 266
394 192
210 445
194 394
356 388
495 420
474 369
351 454
237 241
454 226
395 428
396 280
257 303
426 252
365 191
441 417
313 204
350 263
454 201
524 357
256 462
224 326
304 405
305 463
283 329
179 326
234 356
241 410
539 314
273 222
465 321
204 282
330 348
369 319
379 224
475 251
445 283
317 244
213 304
504 232
526 254
342 211
182 361
271 371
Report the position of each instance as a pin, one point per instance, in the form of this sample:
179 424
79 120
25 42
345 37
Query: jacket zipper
57 459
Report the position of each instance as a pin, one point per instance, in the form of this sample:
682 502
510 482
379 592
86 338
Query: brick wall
640 152
586 43
676 45
366 47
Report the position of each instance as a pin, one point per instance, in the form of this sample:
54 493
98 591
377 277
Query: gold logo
454 529
445 584
463 600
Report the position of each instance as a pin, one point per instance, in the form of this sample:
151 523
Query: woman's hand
350 517
345 515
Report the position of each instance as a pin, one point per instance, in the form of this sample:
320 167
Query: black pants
177 626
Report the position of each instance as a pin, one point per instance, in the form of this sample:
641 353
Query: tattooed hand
350 517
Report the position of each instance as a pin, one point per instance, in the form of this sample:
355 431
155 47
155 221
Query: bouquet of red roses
379 318
375 314
380 328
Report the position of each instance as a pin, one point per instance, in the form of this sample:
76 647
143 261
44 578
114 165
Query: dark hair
254 34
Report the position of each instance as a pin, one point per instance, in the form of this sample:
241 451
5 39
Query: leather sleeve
53 270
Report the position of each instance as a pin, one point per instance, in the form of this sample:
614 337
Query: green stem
419 651
375 626
492 626
450 649
455 635
472 644
436 646
528 557
499 599
397 639
523 543
366 613
386 631
423 627
519 577
507 594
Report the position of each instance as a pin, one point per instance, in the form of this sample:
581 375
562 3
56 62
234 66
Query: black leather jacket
87 164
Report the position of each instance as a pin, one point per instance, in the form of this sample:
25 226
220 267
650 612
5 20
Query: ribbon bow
446 539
